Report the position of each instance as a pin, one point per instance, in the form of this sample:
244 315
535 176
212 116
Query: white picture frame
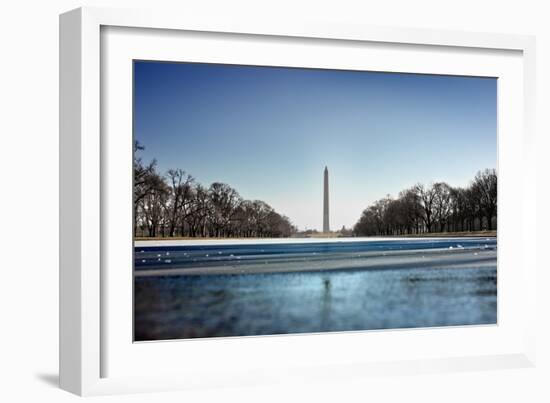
88 339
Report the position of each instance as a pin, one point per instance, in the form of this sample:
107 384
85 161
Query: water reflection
325 303
171 307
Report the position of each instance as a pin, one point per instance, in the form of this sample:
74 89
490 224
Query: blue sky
269 132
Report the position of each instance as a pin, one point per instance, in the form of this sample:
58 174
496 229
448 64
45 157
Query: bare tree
225 201
259 215
175 204
442 206
199 210
412 209
146 178
426 196
153 208
180 192
485 185
147 182
438 207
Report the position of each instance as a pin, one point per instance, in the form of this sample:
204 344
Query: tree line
434 208
174 204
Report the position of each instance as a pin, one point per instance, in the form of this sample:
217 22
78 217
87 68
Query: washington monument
326 225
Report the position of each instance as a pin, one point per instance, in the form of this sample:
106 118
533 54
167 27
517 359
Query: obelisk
326 225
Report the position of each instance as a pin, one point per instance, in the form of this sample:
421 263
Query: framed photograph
249 202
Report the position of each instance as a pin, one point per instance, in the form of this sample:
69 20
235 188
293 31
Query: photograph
277 200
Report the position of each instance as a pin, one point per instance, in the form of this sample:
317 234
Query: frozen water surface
239 290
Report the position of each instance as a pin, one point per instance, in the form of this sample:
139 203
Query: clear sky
269 132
